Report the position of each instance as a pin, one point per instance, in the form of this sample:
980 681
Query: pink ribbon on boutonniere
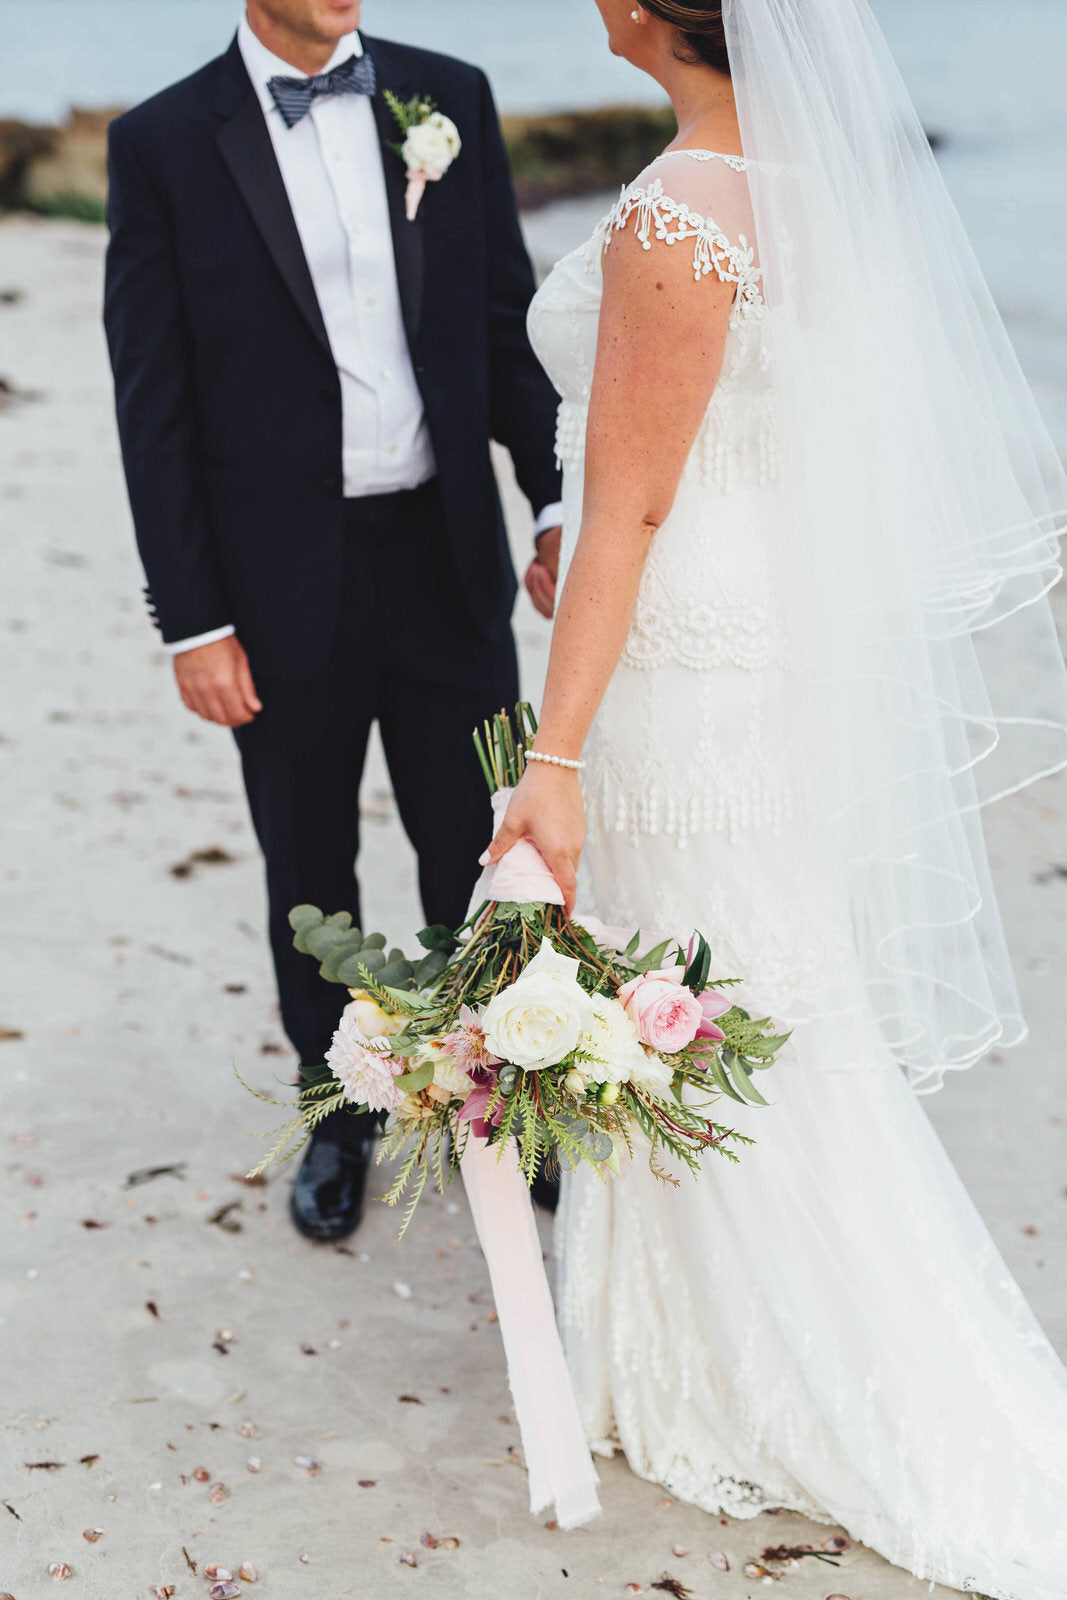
416 188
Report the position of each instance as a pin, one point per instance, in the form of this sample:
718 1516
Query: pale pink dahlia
367 1076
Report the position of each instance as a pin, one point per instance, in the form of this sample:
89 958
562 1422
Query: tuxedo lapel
245 143
408 239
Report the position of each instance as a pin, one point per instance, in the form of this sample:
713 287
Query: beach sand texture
173 1356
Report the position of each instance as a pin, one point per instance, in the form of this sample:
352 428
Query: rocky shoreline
62 171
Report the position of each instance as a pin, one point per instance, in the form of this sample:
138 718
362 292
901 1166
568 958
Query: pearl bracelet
555 761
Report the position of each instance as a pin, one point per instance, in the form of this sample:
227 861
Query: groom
307 381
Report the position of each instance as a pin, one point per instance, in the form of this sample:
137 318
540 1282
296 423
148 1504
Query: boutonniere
431 144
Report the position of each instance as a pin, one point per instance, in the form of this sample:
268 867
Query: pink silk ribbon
521 875
558 1464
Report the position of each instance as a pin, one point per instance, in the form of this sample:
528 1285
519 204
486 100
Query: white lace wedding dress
826 1326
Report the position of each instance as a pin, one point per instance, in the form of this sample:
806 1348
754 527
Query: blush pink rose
665 1013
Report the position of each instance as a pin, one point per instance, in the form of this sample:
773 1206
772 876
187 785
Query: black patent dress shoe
545 1191
326 1202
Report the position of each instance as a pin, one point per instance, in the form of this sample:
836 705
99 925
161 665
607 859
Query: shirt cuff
180 646
551 517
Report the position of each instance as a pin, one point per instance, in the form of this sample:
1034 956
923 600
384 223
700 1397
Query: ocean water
982 65
988 75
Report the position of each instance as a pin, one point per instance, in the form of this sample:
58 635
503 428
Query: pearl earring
636 15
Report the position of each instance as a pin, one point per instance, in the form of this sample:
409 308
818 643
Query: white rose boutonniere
431 144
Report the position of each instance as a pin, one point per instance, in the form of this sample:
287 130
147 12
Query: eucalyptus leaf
395 973
430 967
305 917
350 971
438 938
372 960
340 919
374 941
599 1146
331 967
321 940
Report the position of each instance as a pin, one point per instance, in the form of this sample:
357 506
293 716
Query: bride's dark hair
701 28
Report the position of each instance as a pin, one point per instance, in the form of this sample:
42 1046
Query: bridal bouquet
525 1026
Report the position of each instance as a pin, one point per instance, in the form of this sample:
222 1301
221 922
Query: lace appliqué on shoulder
671 221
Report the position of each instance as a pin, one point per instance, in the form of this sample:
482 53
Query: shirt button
385 373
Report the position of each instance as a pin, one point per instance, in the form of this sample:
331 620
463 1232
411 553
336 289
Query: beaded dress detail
826 1326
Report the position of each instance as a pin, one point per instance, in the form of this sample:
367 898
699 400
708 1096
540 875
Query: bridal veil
925 500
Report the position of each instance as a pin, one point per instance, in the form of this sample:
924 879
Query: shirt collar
262 64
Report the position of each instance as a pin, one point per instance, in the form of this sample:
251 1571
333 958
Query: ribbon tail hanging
558 1462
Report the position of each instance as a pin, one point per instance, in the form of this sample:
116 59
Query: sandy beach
180 1370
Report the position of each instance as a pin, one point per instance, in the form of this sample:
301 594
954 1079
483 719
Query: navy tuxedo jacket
228 398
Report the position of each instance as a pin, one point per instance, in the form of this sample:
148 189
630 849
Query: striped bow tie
294 96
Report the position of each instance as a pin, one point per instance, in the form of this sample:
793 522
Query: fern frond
416 1196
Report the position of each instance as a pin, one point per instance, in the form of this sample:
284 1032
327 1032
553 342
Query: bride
810 526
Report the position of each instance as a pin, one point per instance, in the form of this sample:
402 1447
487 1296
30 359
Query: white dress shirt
331 165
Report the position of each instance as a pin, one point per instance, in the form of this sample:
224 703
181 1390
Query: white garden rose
548 959
610 1043
653 1075
538 1020
432 146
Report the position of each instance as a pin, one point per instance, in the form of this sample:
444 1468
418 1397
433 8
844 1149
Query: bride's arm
659 354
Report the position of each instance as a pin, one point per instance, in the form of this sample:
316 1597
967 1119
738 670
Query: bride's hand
547 809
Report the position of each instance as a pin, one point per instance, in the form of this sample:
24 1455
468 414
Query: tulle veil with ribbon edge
926 502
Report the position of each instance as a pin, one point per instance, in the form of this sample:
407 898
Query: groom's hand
543 571
215 681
